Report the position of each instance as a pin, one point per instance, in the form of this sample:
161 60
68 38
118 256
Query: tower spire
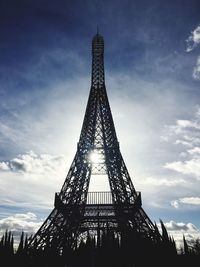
98 79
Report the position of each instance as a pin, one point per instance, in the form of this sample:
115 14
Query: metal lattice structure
76 211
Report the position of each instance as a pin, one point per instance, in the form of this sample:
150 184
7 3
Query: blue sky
152 65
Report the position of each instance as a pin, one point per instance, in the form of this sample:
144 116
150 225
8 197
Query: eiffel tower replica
77 211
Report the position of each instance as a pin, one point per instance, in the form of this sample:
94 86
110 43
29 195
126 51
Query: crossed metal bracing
74 213
100 210
66 226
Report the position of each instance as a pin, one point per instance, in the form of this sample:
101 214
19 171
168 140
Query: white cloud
194 151
33 163
173 226
191 201
184 123
175 204
193 40
178 229
4 166
191 166
182 142
26 222
185 133
32 180
196 71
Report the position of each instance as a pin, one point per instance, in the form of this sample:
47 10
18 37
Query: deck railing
99 197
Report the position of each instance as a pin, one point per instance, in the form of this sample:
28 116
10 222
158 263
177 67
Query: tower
76 211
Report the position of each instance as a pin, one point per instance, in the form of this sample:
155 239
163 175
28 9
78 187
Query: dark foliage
112 249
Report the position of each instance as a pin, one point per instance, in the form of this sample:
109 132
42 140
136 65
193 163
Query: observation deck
99 210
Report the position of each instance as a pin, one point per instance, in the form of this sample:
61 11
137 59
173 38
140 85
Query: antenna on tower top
97 29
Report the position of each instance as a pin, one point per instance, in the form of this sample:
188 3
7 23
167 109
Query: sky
152 73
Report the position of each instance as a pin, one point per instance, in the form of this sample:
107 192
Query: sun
95 157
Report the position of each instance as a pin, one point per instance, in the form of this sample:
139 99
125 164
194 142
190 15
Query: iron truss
76 211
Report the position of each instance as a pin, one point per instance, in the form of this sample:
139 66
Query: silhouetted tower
76 211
